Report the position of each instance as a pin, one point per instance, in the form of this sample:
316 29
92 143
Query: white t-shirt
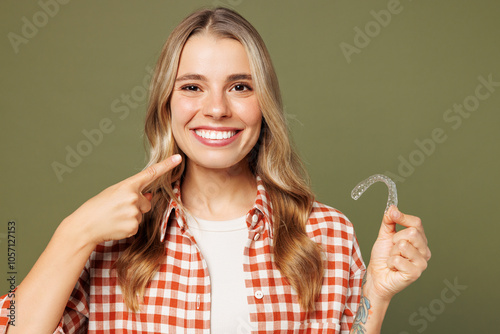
222 244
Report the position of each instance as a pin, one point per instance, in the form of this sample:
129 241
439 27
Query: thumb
145 204
389 221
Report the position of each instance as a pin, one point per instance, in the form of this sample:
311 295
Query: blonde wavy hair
273 158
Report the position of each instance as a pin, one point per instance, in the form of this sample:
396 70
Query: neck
218 194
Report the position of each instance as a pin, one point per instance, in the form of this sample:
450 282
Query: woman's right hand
117 211
113 214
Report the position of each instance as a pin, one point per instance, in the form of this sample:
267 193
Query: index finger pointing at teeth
148 175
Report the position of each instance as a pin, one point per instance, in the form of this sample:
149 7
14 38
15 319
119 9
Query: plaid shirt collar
262 206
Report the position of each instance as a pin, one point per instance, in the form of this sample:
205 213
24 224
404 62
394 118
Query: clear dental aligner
365 184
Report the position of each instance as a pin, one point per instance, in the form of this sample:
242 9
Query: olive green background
349 120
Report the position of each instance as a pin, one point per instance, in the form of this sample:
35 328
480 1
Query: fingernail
176 158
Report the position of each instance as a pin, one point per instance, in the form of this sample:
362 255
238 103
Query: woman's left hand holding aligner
398 258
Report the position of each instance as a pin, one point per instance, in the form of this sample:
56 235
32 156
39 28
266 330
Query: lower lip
216 142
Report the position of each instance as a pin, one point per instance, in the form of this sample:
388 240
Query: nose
217 106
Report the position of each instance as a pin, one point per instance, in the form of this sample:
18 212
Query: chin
218 162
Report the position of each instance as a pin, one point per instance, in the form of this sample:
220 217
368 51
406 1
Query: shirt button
255 218
256 236
259 294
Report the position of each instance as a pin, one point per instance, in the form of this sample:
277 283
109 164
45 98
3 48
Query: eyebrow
232 77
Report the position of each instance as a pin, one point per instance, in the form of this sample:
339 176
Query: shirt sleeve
5 311
75 316
356 273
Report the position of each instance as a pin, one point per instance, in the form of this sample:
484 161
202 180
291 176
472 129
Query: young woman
221 232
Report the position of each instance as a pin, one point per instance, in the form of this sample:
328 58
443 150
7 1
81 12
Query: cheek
257 118
254 119
249 112
182 111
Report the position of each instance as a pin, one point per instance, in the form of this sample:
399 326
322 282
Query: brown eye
241 87
191 88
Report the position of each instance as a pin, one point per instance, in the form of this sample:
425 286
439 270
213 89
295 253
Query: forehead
206 54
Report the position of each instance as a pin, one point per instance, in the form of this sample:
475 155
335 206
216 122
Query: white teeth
211 134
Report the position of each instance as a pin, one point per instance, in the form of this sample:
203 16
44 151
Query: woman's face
216 117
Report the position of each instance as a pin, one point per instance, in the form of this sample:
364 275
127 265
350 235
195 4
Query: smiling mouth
215 135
